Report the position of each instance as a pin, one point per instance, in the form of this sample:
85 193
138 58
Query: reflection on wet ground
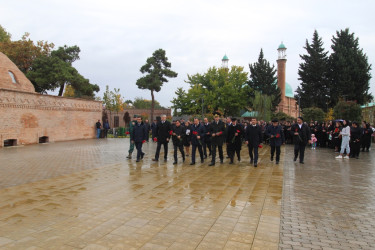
328 203
84 194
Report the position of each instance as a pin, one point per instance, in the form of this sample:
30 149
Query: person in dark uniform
217 138
178 135
163 134
355 140
366 136
207 138
197 135
301 136
148 128
153 130
253 138
228 123
276 135
234 140
98 126
138 137
187 138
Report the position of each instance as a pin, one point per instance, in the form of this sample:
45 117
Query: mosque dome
225 58
288 90
11 77
282 46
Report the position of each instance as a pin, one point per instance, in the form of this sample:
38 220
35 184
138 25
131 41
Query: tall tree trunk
61 91
152 105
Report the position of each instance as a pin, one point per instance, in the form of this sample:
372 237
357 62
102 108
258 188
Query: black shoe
155 159
231 162
255 165
138 160
221 161
357 157
301 162
202 160
239 159
251 161
205 157
295 158
175 162
212 164
193 163
165 159
183 159
142 155
209 154
277 162
227 157
271 158
129 156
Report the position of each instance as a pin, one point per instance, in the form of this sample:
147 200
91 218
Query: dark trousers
213 152
255 156
181 148
105 133
193 149
138 146
355 148
233 149
206 144
277 152
299 149
158 150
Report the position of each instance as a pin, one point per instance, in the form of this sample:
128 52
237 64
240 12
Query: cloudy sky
116 37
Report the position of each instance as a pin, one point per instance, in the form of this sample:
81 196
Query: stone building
287 104
27 117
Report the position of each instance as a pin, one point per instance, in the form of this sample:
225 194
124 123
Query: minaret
224 62
281 65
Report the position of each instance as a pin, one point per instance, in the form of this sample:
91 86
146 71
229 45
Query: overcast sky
116 37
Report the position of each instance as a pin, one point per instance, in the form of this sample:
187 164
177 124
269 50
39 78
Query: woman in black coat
355 140
366 137
187 139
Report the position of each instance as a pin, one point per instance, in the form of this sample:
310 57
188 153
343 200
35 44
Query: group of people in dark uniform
209 138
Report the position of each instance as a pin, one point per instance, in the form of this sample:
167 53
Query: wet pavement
328 203
85 195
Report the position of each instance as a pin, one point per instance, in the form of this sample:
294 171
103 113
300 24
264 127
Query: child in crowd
313 141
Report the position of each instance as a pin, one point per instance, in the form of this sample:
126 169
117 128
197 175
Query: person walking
138 137
277 138
187 138
131 146
366 136
301 137
355 140
207 138
253 138
234 140
148 128
163 134
197 135
345 134
98 126
153 130
178 134
217 139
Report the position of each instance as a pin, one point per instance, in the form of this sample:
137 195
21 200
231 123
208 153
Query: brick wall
27 116
132 112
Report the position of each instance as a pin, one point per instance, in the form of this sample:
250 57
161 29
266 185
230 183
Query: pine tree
263 79
350 71
313 91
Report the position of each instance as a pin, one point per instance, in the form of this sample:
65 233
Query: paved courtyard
85 195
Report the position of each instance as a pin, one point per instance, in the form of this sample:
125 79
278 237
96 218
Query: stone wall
27 116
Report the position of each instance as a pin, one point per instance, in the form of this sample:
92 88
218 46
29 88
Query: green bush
313 114
347 110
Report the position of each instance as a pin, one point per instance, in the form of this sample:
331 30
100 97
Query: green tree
157 69
263 79
180 103
4 35
23 52
217 89
263 105
349 70
313 114
347 110
141 103
313 70
49 72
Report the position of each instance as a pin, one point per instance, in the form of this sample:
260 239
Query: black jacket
139 133
163 131
231 138
304 134
278 134
253 135
207 136
217 140
197 130
179 131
